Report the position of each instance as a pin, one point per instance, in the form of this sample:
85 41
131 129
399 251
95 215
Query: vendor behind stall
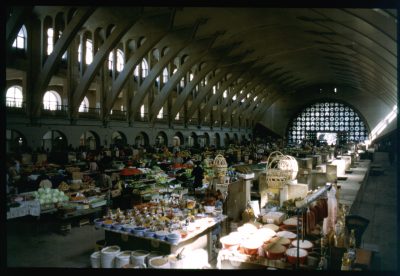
104 182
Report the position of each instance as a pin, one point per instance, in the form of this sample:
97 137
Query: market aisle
378 204
49 249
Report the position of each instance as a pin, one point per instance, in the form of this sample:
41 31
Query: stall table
200 238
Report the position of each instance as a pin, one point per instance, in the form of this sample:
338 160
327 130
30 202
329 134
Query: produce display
50 196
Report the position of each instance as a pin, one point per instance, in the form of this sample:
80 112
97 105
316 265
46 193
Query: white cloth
31 207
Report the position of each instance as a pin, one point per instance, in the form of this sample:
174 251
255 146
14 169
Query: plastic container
100 244
122 258
95 259
138 257
151 255
108 256
161 235
173 238
149 234
159 262
138 231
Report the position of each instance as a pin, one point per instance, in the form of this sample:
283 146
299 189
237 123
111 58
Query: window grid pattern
19 42
14 97
327 117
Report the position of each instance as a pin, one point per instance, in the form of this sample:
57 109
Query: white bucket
138 257
159 262
95 259
108 256
152 255
122 258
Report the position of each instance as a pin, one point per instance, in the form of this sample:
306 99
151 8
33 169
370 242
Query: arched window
120 60
20 41
225 94
145 69
52 100
84 107
142 111
165 75
89 52
327 119
14 97
50 37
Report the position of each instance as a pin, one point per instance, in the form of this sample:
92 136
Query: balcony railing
15 107
141 117
55 111
118 115
90 113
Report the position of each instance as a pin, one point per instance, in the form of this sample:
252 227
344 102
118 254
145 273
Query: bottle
346 265
352 240
352 246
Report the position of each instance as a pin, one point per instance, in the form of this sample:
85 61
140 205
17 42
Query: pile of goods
49 196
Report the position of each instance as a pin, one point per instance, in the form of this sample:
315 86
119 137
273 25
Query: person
198 174
105 183
178 159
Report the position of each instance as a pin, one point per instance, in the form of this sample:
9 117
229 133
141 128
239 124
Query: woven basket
279 165
220 165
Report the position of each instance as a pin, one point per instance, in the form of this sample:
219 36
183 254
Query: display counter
201 237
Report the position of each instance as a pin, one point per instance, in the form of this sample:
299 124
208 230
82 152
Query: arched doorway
89 140
142 140
181 138
55 140
192 140
161 139
118 139
217 140
204 140
16 141
235 138
227 140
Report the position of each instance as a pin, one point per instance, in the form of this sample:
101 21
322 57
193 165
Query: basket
276 181
280 165
220 165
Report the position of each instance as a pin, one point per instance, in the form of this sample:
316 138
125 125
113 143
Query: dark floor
32 246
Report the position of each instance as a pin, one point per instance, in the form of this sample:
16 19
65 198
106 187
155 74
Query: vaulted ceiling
277 51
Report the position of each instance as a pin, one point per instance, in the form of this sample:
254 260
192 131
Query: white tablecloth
31 207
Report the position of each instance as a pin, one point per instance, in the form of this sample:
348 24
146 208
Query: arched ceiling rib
284 50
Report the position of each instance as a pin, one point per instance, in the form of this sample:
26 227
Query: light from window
255 98
165 75
14 96
214 89
160 114
19 42
191 77
122 108
248 95
142 111
225 94
84 107
120 60
50 37
51 100
182 82
177 116
89 52
144 67
242 101
234 97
